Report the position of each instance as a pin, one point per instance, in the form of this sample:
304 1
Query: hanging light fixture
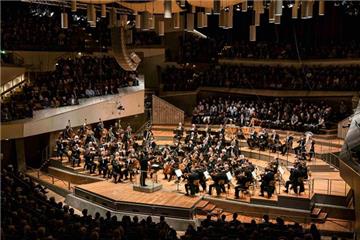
303 9
193 9
161 28
229 17
257 19
207 11
205 21
295 9
244 6
151 21
112 17
309 9
123 20
277 20
278 7
73 6
145 21
167 9
89 13
321 8
252 33
222 18
182 3
93 16
103 10
272 12
189 21
64 20
200 19
216 10
137 21
176 20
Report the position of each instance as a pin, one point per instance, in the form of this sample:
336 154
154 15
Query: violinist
103 164
267 183
60 147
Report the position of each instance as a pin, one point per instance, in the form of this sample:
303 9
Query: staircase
205 208
318 215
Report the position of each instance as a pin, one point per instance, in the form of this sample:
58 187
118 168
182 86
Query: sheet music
178 172
281 170
207 175
253 173
228 175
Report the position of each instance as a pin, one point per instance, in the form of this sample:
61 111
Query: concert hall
180 119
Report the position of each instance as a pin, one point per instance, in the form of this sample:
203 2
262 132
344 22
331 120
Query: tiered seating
73 79
334 78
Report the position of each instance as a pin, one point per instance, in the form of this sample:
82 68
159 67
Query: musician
193 129
68 132
147 134
207 129
103 164
287 145
191 137
263 139
83 128
117 166
275 141
267 183
89 155
253 139
244 179
239 134
60 148
111 135
219 179
222 130
193 181
297 176
312 150
179 132
144 159
75 156
202 178
99 128
301 146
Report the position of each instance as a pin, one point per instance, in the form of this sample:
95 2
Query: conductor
144 167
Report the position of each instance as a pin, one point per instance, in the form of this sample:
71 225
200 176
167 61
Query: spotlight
76 18
130 24
237 8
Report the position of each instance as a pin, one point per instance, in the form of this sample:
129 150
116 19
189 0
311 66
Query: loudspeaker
129 62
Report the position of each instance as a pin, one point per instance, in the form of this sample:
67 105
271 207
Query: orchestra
205 159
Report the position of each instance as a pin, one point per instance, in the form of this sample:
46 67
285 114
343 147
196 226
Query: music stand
178 174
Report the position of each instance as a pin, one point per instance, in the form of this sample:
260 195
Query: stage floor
121 192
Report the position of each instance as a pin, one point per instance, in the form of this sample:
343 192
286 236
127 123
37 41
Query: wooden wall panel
165 113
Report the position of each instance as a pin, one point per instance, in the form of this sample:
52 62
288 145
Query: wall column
20 154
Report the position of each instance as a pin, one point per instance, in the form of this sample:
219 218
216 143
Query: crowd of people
73 78
114 153
235 229
27 213
269 113
333 78
194 49
270 50
37 27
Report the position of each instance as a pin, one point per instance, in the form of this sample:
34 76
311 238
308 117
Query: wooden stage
122 197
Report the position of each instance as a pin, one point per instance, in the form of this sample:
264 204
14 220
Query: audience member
73 79
333 78
269 113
